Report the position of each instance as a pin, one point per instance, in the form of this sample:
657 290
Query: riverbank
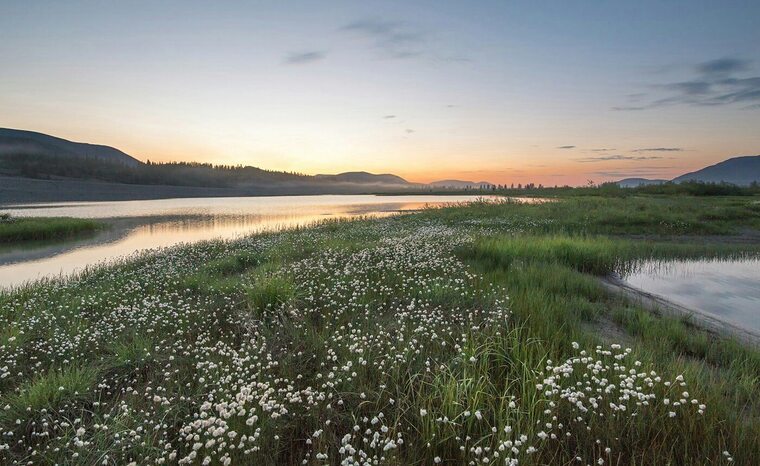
696 317
456 335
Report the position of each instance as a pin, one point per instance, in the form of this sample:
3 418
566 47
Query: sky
502 91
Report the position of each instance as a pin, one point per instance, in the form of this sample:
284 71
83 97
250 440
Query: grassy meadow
470 335
13 230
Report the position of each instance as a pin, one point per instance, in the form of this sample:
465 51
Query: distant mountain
365 178
15 141
634 182
740 171
36 167
30 154
458 184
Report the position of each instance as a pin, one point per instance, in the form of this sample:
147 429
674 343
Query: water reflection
137 225
728 289
328 205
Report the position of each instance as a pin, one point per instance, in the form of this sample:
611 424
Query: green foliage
171 173
695 188
644 216
41 228
556 302
596 255
139 346
269 293
50 395
233 264
604 190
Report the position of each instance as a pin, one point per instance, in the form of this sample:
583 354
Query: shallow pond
727 289
145 224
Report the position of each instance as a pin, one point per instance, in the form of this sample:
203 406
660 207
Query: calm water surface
728 289
137 225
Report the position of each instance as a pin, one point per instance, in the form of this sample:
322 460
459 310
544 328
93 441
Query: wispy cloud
566 147
452 58
490 172
409 131
607 158
601 150
712 83
635 173
723 65
300 58
659 149
388 117
401 40
395 38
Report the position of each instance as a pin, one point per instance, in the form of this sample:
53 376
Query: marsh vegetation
471 334
13 230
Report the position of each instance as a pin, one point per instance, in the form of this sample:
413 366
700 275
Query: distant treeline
172 173
698 188
611 189
238 176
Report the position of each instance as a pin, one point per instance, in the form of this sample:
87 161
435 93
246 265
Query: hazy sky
548 92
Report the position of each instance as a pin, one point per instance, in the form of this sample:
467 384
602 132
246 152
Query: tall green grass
643 216
546 258
597 255
44 228
556 300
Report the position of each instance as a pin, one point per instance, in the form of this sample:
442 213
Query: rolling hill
36 167
458 184
740 171
635 182
365 178
32 155
16 141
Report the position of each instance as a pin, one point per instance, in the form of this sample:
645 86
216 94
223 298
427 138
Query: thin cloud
630 108
401 40
388 117
690 88
712 83
628 174
409 131
566 147
301 58
617 157
723 65
635 172
395 38
659 149
453 59
488 172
